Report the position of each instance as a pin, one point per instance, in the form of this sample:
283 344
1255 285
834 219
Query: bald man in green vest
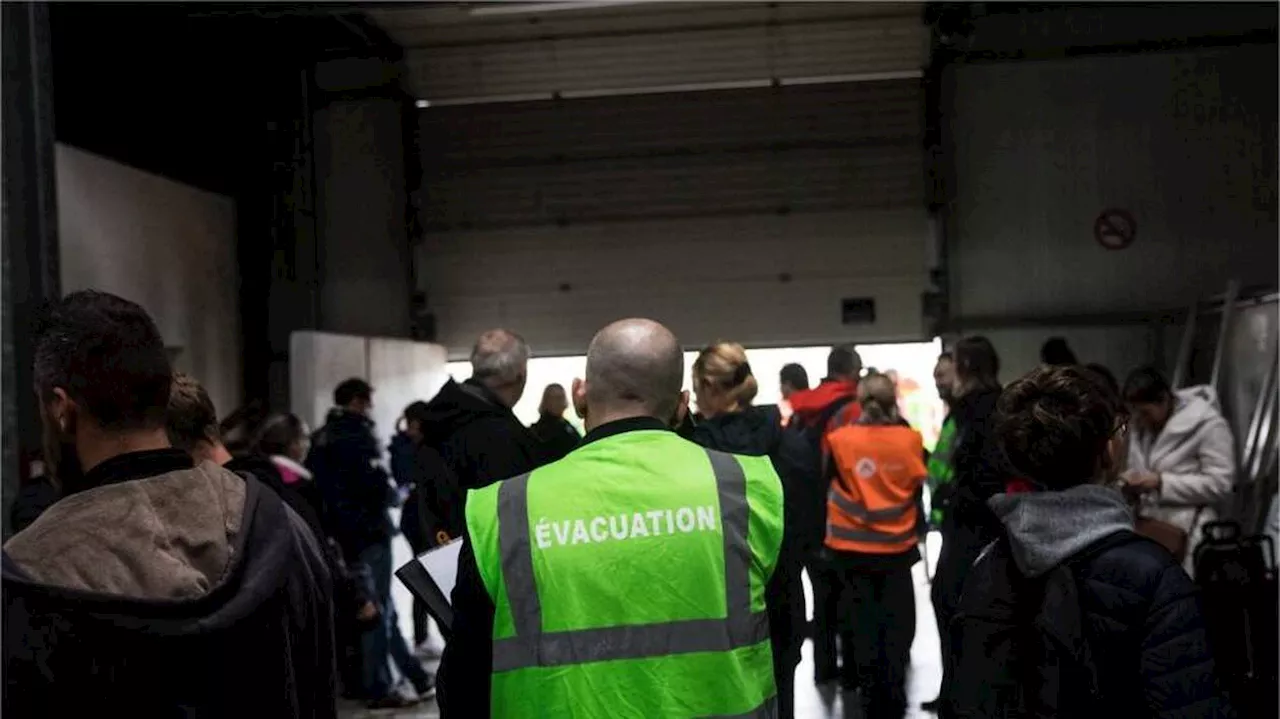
628 579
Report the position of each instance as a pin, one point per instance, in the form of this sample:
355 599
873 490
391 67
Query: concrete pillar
364 255
29 273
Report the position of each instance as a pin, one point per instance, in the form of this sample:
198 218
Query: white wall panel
167 246
318 362
1184 141
708 278
400 371
1119 348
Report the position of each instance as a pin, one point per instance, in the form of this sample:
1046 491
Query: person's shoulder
991 585
1134 570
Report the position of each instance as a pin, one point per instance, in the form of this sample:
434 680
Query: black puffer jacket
1125 632
758 432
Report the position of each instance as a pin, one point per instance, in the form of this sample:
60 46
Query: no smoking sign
1115 229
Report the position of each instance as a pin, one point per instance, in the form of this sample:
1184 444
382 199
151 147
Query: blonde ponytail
724 366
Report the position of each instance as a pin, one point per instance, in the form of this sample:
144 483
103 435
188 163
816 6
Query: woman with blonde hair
725 388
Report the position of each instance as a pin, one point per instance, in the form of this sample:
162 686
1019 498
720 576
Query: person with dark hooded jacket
470 433
154 587
192 426
347 465
724 387
979 472
814 412
1070 612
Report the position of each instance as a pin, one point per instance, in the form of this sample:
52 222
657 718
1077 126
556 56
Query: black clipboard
431 577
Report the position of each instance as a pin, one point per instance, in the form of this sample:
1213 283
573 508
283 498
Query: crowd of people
651 568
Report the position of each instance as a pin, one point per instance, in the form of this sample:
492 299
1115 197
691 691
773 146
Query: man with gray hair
470 438
633 570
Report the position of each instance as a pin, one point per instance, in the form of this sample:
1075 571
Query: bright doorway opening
911 362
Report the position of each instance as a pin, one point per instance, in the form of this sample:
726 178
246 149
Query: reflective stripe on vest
872 536
532 647
859 510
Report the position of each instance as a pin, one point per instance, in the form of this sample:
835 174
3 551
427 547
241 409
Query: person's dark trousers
384 641
960 549
785 659
786 683
416 536
880 613
350 660
826 595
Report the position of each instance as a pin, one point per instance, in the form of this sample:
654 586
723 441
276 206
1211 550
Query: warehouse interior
301 193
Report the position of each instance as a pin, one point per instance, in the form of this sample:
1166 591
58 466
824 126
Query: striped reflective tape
870 536
531 646
635 641
860 511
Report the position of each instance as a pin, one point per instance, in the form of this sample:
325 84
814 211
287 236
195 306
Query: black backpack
1237 579
1022 649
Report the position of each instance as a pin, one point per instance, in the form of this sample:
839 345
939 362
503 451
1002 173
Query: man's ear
682 409
579 397
62 409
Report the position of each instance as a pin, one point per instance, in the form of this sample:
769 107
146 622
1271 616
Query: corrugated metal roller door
745 214
457 53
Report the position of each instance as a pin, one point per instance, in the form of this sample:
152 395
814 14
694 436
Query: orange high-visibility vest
871 505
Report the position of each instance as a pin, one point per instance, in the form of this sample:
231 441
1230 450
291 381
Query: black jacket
464 679
257 642
347 464
1127 637
479 440
557 436
35 496
980 469
758 432
352 586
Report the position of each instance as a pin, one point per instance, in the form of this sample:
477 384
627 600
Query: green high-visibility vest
628 580
941 470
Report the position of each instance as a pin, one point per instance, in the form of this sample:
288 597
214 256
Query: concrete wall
1185 141
167 246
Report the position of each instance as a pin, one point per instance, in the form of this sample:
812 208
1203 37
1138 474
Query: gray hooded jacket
1047 528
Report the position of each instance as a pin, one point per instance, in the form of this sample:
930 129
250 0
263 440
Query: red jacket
809 406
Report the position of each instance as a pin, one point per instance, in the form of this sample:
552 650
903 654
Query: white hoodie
1195 457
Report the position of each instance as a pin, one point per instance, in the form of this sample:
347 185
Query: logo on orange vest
865 468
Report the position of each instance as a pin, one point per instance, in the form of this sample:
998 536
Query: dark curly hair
1054 424
106 353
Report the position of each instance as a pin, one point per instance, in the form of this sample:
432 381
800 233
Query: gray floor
812 702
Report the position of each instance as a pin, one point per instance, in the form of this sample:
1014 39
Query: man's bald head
878 395
634 366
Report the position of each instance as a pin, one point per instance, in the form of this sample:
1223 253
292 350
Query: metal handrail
1184 347
1224 331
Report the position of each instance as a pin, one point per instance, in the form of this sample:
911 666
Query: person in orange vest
876 468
